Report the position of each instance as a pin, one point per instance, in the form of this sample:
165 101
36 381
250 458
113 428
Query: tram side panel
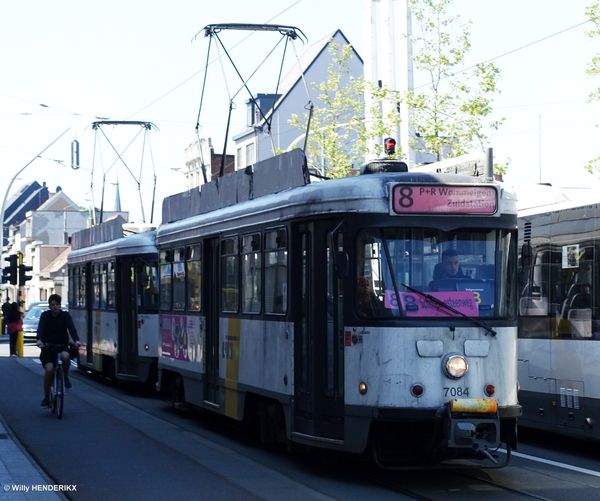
181 354
255 356
558 327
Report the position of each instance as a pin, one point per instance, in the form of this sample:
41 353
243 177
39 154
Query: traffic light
22 273
389 145
9 273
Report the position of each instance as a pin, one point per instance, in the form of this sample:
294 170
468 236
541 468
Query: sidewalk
18 471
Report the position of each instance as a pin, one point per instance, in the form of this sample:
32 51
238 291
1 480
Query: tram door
127 362
318 359
211 308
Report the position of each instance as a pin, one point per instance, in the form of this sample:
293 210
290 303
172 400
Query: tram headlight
455 366
362 388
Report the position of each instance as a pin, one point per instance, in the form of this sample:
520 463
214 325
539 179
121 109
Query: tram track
418 484
459 490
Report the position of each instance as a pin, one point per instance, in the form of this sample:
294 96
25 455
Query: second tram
113 299
558 318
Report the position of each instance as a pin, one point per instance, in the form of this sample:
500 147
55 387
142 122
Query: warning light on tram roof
389 144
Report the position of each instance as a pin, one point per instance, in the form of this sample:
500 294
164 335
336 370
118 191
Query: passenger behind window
367 302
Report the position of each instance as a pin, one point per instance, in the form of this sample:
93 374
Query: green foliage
338 135
592 12
454 107
501 168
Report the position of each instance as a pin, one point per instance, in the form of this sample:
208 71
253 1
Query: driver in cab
448 269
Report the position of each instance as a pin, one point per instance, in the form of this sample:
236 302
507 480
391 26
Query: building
43 238
270 130
28 197
203 153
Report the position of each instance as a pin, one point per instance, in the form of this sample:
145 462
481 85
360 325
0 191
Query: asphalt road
114 451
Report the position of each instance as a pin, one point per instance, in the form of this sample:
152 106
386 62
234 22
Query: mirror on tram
341 264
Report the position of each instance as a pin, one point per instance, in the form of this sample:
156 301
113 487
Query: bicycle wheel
60 392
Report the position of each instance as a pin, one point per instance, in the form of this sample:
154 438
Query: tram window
251 273
276 271
71 286
194 277
110 286
81 287
179 279
75 277
149 287
389 258
229 275
165 280
103 286
96 285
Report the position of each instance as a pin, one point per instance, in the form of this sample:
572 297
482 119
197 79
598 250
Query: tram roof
139 243
356 194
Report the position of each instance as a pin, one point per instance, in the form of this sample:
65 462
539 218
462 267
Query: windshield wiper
449 308
391 268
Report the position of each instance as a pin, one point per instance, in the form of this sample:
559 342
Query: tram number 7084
456 392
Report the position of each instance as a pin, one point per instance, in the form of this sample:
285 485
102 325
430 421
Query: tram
113 299
558 345
321 311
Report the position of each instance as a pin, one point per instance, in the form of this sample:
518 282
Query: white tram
559 334
113 299
261 317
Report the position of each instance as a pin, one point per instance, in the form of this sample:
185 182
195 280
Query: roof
305 61
58 202
58 263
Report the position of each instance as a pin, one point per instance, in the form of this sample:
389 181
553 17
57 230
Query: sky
67 64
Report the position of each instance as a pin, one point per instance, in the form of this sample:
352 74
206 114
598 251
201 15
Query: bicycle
57 390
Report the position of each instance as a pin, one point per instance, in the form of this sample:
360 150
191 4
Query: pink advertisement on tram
182 337
415 305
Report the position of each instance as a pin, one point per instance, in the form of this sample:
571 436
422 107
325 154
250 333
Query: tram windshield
471 270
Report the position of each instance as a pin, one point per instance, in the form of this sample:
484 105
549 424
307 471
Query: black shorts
48 354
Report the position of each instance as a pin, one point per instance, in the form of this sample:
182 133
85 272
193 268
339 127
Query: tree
450 114
592 11
338 137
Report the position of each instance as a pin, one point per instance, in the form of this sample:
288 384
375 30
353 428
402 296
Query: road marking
553 463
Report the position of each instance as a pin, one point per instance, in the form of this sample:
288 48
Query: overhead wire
249 35
510 51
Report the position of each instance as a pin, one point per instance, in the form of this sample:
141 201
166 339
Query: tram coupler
472 423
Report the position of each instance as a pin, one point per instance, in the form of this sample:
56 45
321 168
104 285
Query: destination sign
453 199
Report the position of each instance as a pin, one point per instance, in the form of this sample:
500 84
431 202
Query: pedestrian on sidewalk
13 326
5 312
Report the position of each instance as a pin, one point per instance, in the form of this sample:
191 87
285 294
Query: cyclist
54 328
